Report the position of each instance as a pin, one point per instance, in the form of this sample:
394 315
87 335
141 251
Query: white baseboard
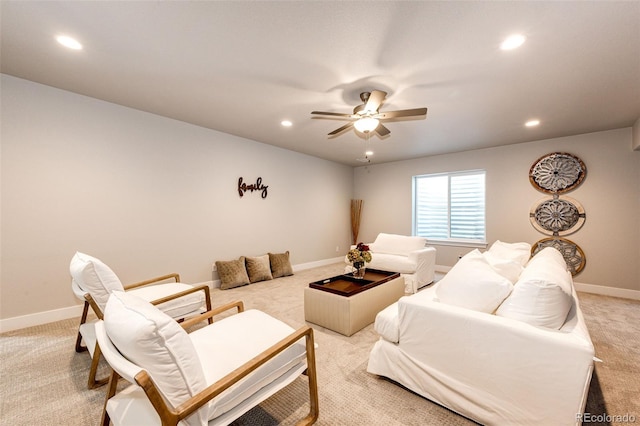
39 318
317 263
608 291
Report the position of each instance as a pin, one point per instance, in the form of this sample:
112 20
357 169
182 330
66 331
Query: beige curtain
356 213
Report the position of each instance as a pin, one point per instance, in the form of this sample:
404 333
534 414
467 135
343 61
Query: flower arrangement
359 254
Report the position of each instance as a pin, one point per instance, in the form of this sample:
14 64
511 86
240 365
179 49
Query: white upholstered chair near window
406 254
210 376
93 281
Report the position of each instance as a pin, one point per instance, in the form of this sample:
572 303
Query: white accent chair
93 282
210 376
405 254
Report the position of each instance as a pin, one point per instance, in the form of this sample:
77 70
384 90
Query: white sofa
524 360
405 254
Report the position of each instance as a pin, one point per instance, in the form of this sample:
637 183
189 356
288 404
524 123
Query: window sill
458 243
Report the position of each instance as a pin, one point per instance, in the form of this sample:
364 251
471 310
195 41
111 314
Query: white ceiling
243 66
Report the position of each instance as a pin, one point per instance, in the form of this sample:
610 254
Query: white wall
610 195
146 194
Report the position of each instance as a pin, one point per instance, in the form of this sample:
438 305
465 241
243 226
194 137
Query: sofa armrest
497 358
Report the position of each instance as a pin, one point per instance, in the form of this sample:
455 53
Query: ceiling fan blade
382 130
375 99
341 129
333 114
402 113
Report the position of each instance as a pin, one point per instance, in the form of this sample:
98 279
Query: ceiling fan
366 118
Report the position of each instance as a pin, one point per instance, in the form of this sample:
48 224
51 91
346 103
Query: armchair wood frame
92 382
171 417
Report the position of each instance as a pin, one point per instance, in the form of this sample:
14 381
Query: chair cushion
542 295
228 343
232 273
518 252
392 262
155 342
258 268
473 284
179 308
94 277
397 244
280 264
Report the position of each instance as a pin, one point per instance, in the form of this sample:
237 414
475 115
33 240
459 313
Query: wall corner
635 136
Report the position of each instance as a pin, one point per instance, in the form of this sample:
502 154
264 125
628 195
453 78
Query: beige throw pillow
280 264
258 268
232 273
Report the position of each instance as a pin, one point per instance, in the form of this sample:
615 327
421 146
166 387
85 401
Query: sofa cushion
94 277
155 342
510 269
258 268
518 252
473 284
280 264
542 294
397 244
232 273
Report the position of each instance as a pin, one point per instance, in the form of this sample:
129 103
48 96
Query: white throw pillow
510 269
397 244
94 277
154 341
473 284
518 252
543 295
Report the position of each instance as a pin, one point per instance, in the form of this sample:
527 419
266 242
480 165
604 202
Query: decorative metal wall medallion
572 253
557 215
557 173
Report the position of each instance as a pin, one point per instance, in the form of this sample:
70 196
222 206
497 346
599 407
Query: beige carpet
43 381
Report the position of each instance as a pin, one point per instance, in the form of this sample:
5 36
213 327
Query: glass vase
358 270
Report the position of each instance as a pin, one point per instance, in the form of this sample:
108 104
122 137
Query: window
450 206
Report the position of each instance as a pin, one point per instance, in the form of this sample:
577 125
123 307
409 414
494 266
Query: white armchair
405 254
93 282
210 376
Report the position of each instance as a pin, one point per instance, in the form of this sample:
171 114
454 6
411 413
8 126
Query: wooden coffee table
346 305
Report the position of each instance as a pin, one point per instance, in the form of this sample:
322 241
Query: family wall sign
258 186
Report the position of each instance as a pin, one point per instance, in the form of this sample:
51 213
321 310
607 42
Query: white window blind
450 206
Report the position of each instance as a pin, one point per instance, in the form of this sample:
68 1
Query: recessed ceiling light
286 123
69 42
532 123
368 153
512 42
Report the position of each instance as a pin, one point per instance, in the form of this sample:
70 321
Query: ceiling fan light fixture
69 42
366 124
513 42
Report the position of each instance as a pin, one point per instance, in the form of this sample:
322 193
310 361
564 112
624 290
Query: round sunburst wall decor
557 173
572 253
557 215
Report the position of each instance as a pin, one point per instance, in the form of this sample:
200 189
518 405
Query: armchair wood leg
310 372
111 390
95 361
207 300
83 319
